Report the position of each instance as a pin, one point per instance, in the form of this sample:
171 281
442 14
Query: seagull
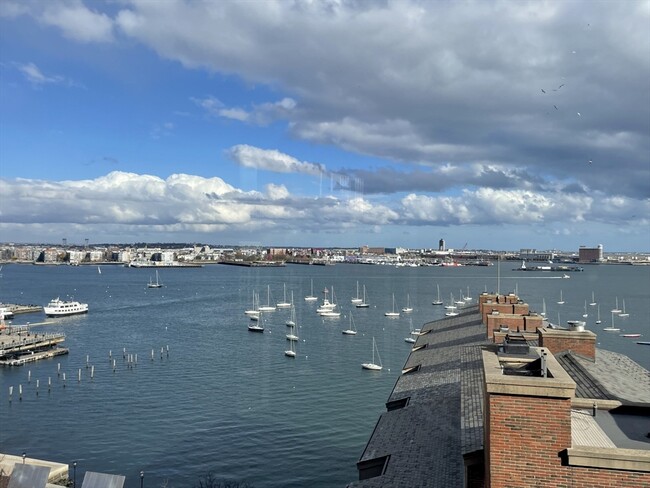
555 107
579 114
560 86
590 161
543 90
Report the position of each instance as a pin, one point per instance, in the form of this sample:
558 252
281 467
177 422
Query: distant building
590 254
535 255
441 245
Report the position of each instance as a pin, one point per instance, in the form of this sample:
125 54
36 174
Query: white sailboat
468 297
611 328
543 314
393 313
593 299
408 308
257 326
156 284
451 305
352 329
357 299
283 303
372 365
253 312
460 301
616 309
292 319
291 352
311 297
598 321
410 339
326 306
291 336
364 303
99 270
623 313
437 301
585 314
561 301
268 307
329 309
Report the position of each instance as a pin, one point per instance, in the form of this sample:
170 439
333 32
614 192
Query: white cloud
262 114
272 160
36 77
78 22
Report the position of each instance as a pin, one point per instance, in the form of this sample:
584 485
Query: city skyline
492 125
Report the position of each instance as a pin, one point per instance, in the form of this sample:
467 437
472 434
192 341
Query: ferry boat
60 308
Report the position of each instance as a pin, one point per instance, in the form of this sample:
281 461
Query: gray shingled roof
425 439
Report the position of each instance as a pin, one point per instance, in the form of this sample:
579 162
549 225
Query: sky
490 124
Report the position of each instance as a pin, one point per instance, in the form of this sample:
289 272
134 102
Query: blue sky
326 123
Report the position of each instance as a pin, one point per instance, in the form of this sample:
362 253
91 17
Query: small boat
451 305
291 352
291 336
410 339
253 312
284 303
326 306
460 301
566 276
61 308
357 299
598 321
292 319
630 335
364 303
437 301
99 270
616 309
623 312
351 330
393 313
561 301
643 343
156 284
258 326
611 328
585 314
268 307
593 299
311 297
332 314
468 297
372 365
543 314
408 308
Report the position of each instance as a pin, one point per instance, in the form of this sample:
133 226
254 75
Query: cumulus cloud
77 21
271 160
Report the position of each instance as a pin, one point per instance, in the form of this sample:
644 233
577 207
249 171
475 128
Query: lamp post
141 479
74 474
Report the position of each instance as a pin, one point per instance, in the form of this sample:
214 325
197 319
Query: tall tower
441 245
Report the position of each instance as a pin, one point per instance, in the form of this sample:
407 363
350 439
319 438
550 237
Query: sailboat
623 313
598 321
372 365
257 326
253 312
351 330
331 311
460 301
585 314
408 307
284 303
157 283
451 308
593 299
616 309
437 301
363 304
268 307
291 352
99 270
611 328
410 339
291 336
468 297
326 306
311 297
561 301
292 319
357 299
543 314
393 313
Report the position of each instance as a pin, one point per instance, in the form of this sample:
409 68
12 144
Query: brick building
494 397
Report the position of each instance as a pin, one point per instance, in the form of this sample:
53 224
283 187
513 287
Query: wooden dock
18 345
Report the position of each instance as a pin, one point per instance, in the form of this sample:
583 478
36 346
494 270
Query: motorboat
61 308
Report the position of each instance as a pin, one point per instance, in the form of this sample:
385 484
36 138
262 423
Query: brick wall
583 343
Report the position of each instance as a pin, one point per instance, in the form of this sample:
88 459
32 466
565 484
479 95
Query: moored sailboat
372 365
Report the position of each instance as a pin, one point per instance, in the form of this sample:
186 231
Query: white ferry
60 308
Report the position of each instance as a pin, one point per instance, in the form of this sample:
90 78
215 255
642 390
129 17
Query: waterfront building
590 254
535 255
494 397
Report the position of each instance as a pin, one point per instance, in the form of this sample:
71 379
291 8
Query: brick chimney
576 340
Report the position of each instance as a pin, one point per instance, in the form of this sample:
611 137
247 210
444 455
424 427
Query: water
228 401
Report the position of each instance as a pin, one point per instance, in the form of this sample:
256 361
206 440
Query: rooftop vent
576 325
516 344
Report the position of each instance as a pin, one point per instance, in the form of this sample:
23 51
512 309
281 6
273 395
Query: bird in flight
579 114
543 91
590 161
555 107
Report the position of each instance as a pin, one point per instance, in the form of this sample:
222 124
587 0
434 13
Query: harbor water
180 388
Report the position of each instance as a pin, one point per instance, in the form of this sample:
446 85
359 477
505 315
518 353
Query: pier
18 346
58 471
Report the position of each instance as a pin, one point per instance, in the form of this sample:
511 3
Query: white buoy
113 365
63 380
110 354
20 391
49 383
152 354
29 376
79 375
11 392
87 360
58 369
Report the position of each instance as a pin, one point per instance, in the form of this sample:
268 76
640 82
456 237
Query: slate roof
427 438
